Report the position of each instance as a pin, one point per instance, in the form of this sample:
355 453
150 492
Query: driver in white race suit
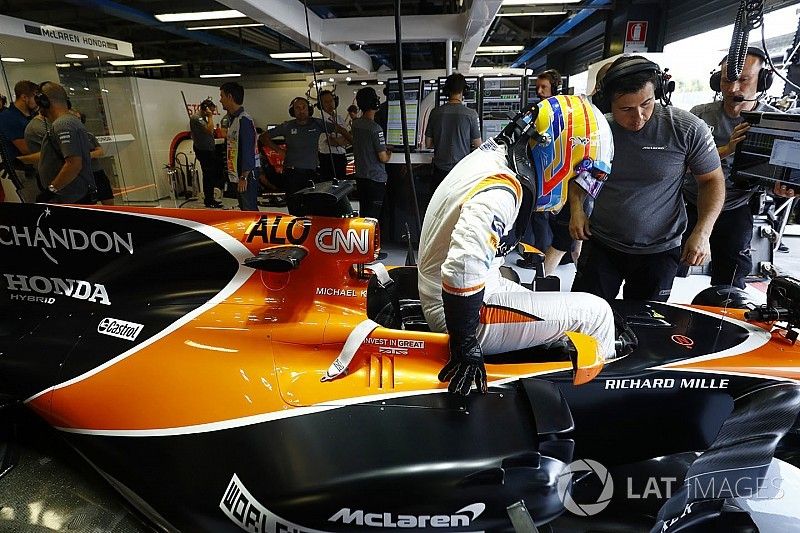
473 221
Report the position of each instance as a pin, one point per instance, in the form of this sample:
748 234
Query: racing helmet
574 142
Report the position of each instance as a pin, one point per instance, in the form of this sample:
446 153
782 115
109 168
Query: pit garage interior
138 70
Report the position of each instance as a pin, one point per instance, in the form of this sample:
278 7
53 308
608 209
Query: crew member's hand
242 186
782 190
579 225
696 249
737 135
465 367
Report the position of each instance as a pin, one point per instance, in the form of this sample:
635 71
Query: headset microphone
743 99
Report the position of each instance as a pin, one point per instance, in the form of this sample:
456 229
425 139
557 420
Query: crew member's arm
578 221
70 145
344 132
247 150
485 214
30 159
209 123
21 145
383 152
475 131
97 150
69 171
704 163
737 135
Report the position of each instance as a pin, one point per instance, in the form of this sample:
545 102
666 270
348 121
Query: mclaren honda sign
55 35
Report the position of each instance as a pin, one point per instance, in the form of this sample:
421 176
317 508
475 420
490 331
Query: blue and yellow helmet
574 142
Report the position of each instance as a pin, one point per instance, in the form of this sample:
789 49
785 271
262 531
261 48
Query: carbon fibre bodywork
192 381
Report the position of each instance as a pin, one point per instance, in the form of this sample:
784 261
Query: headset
323 93
633 65
310 107
467 94
554 78
40 98
765 75
369 98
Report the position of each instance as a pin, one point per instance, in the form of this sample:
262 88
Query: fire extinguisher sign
635 36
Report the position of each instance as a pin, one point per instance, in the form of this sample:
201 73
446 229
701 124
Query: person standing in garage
732 233
242 150
201 125
332 144
453 129
371 154
65 161
634 234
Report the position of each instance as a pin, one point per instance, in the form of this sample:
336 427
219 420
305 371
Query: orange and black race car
231 371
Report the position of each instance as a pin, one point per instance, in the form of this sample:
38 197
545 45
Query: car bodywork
181 353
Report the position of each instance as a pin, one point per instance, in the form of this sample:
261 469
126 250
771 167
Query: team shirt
67 137
721 128
452 128
640 209
301 142
367 142
201 138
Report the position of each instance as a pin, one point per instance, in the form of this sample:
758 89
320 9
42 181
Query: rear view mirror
586 360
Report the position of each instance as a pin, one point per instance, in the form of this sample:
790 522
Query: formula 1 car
229 371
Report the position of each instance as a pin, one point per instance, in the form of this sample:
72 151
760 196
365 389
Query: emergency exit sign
635 36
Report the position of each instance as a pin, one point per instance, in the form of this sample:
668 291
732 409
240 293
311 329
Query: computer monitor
500 95
770 151
470 95
532 98
394 129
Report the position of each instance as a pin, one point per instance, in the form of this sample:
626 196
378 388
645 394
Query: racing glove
465 366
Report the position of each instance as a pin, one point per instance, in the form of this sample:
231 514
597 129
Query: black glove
464 367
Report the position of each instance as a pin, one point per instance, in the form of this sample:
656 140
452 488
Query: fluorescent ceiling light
225 26
159 66
348 78
531 13
76 56
498 53
363 83
200 15
295 55
115 72
134 62
343 71
482 68
306 60
537 2
13 60
501 48
220 75
380 83
63 65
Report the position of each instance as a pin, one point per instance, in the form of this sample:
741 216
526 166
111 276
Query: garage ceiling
354 34
246 49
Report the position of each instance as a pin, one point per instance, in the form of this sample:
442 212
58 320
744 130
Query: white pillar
448 56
